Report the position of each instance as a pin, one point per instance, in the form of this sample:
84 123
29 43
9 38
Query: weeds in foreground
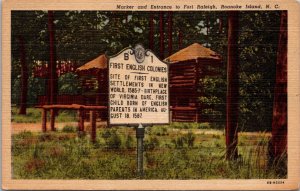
169 155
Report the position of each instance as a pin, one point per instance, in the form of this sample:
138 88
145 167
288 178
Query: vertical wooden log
52 60
278 143
44 120
170 30
151 31
24 77
232 86
197 78
52 119
161 35
93 125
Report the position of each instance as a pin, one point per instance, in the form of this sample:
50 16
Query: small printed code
275 182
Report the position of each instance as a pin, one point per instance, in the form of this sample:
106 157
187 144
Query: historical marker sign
138 88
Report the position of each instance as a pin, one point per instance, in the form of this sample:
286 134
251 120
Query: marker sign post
138 92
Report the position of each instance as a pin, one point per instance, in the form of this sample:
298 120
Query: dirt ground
37 127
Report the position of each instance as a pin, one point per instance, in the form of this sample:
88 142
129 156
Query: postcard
140 95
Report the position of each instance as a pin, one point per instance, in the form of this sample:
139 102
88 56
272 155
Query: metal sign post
140 133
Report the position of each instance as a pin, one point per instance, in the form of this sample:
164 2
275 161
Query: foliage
36 86
151 143
258 47
186 140
83 35
129 144
69 84
158 130
213 90
69 129
33 115
163 130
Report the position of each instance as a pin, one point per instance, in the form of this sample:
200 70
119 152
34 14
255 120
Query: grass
169 154
34 116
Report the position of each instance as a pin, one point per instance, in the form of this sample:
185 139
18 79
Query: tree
232 86
26 47
278 143
151 31
161 35
170 33
24 77
52 75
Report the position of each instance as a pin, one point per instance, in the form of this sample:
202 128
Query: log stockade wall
183 91
185 88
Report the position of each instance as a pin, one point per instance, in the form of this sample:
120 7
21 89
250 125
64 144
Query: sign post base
140 133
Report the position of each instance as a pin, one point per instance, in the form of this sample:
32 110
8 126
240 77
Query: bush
158 130
189 125
113 141
178 142
190 139
129 144
151 144
69 129
182 140
204 126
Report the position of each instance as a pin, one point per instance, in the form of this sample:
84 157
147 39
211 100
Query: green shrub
158 130
190 139
113 141
69 129
178 142
151 143
184 140
106 134
216 136
189 125
204 126
129 144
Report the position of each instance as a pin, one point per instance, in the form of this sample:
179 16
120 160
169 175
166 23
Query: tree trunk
232 86
278 143
170 25
161 35
151 31
24 77
52 85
